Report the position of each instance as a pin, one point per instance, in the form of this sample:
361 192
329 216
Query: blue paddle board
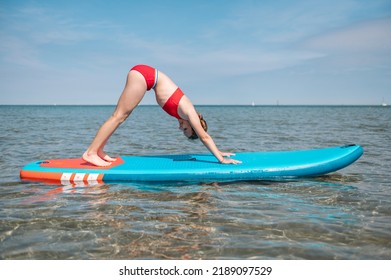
272 165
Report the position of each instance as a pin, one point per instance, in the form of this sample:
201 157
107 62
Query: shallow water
344 215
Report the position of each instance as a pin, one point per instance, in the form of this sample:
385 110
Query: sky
220 52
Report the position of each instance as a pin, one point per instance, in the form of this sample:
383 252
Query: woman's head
188 131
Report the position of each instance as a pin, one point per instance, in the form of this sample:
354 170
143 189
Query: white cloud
16 51
362 37
245 62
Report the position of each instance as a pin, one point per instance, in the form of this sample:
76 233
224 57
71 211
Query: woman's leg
131 96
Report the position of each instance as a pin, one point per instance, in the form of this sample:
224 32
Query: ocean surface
343 215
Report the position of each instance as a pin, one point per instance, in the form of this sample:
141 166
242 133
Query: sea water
343 215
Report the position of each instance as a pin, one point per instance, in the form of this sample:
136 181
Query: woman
169 96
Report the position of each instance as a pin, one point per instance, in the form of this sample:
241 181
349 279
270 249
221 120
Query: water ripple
344 215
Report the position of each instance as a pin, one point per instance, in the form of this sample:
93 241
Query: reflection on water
319 218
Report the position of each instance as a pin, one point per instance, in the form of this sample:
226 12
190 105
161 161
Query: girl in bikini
169 96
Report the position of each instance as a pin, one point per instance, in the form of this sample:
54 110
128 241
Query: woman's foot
106 157
95 160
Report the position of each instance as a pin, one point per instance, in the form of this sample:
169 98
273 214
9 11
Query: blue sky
218 51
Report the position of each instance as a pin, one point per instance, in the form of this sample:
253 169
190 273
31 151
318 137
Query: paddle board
196 167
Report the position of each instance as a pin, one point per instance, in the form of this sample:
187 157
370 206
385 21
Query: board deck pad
196 167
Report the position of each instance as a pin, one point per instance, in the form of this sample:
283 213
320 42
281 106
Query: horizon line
244 105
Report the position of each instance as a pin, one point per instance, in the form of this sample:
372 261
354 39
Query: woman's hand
224 154
230 161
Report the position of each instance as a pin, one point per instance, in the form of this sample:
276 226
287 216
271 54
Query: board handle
184 159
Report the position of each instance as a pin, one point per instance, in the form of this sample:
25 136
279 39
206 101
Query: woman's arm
206 139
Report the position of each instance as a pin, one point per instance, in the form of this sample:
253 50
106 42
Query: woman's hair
203 124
